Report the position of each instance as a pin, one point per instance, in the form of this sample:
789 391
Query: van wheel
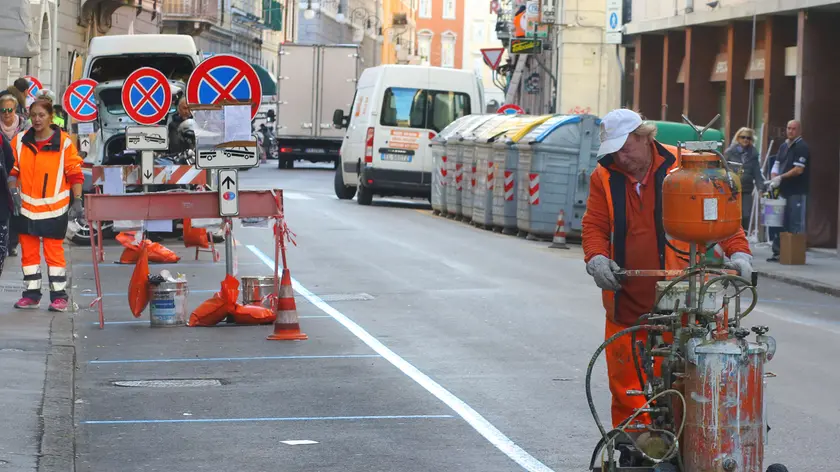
364 196
342 191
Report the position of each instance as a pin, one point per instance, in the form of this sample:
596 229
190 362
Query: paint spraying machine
701 377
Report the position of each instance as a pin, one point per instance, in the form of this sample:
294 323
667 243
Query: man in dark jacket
790 175
177 143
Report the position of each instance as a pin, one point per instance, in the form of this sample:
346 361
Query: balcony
195 11
101 11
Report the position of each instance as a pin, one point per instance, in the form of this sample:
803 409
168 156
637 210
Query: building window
425 9
424 48
447 50
449 9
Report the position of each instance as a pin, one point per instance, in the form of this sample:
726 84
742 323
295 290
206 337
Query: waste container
505 160
485 168
459 203
555 160
441 178
168 304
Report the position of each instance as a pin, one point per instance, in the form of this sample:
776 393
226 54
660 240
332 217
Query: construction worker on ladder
47 167
623 229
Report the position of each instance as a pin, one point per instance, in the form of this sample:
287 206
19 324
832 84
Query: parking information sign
146 138
228 192
146 96
224 78
79 101
614 23
228 158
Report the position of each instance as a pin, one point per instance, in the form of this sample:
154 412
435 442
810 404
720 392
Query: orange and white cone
559 241
287 325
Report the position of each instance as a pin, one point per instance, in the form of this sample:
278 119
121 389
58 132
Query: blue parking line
232 359
244 420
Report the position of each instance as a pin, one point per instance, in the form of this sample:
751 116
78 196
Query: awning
269 84
16 36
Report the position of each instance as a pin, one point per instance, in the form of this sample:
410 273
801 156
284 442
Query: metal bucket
168 304
255 289
773 212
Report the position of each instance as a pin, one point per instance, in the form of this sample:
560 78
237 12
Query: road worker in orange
47 168
623 229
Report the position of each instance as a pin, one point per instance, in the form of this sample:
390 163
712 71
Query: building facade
757 63
344 22
399 45
479 33
440 32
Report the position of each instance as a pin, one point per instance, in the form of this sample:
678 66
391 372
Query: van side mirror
339 119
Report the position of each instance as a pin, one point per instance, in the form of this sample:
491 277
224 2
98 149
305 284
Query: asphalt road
433 346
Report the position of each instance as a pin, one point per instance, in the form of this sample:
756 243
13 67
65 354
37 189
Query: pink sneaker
28 304
59 305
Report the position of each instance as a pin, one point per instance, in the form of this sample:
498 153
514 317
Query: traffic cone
559 241
287 325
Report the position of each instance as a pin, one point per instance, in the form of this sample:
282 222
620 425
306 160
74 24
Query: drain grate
169 383
347 297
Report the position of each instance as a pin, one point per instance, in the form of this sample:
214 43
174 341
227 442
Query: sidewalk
36 368
820 273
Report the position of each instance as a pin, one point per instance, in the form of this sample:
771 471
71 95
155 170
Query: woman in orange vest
623 229
47 167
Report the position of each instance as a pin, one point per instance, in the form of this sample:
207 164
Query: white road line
295 196
478 422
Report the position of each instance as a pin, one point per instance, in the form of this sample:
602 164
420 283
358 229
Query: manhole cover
169 383
347 297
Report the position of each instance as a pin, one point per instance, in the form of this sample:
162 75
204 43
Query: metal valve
742 333
760 330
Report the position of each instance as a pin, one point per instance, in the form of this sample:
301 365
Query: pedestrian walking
7 162
47 167
11 124
742 151
790 174
18 90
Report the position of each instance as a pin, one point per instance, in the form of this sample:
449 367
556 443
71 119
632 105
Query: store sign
525 46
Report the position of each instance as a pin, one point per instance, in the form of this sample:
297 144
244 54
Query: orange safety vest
44 190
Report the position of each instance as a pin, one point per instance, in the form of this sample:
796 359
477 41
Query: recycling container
505 160
441 178
555 160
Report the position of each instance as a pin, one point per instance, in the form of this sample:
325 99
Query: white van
397 109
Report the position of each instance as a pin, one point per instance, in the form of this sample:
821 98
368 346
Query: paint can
168 304
773 212
255 289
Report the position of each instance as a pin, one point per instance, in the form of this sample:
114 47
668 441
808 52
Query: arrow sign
79 100
146 96
84 145
224 78
147 167
493 57
228 192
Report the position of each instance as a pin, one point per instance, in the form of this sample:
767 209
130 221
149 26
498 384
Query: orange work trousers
622 374
30 247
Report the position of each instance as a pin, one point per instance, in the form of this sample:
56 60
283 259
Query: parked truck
312 82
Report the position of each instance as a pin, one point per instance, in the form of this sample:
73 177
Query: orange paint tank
701 201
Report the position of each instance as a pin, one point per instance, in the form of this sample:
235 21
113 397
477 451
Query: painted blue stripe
122 294
220 325
230 359
244 420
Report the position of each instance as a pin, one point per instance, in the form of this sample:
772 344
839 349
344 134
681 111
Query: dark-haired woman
47 168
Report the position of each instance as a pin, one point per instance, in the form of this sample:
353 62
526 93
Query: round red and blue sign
146 96
35 86
79 101
229 196
224 78
510 109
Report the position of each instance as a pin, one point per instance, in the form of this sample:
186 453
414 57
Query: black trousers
4 242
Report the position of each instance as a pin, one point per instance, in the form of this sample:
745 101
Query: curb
804 283
58 450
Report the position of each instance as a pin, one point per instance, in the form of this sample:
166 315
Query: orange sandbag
230 291
127 240
195 236
138 288
161 254
209 313
253 314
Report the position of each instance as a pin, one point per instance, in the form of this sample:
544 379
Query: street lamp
309 13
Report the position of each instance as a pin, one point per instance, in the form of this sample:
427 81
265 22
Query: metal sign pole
229 246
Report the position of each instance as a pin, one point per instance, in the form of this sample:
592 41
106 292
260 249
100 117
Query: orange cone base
287 332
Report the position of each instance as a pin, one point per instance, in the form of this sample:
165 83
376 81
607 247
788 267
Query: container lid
544 130
458 125
485 127
672 132
522 128
498 127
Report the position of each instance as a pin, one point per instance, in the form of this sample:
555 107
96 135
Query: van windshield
174 67
423 109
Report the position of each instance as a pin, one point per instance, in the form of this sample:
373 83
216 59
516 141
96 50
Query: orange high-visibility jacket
627 226
45 178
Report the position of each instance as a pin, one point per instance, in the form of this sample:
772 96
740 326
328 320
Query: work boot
26 303
773 258
59 305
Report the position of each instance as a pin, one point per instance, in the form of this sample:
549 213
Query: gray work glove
76 210
603 269
743 262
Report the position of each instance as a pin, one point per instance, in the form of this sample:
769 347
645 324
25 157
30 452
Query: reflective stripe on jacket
633 235
44 185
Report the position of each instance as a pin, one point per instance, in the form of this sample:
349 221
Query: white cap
615 127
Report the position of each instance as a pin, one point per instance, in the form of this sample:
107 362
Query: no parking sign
146 96
79 101
35 86
222 78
